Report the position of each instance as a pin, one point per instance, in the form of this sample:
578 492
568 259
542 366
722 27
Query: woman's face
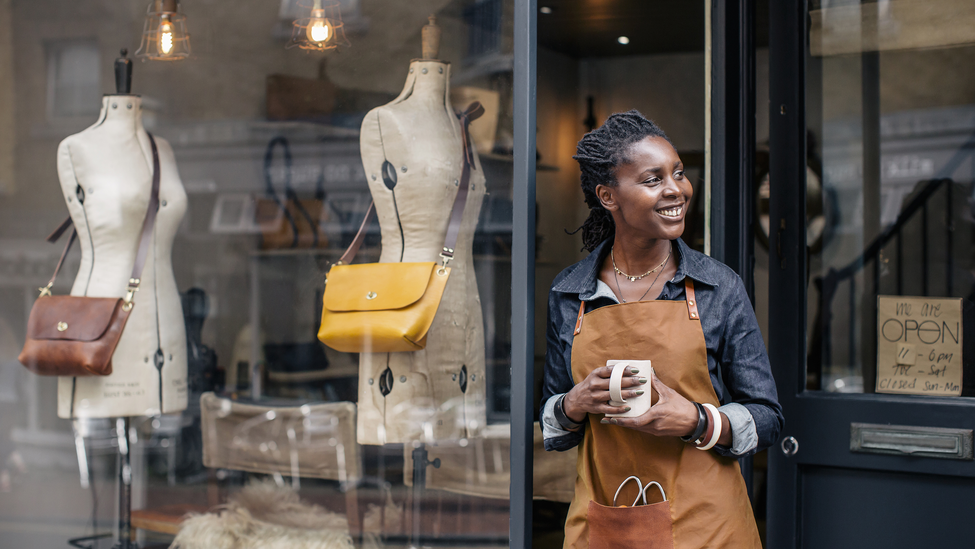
651 196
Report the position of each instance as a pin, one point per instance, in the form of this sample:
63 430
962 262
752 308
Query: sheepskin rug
380 521
265 516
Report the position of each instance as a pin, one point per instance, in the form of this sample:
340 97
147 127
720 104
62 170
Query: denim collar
582 279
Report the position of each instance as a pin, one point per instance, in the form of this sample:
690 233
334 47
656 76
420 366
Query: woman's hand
592 395
672 416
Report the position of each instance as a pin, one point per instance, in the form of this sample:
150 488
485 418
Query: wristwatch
563 419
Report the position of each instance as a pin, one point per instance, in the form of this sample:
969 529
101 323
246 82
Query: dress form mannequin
106 179
439 392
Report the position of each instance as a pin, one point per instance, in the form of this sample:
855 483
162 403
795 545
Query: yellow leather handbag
389 307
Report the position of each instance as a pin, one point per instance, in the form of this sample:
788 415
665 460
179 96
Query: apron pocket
640 527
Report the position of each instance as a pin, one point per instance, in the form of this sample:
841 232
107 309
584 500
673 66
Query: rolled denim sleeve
743 431
747 375
550 425
556 380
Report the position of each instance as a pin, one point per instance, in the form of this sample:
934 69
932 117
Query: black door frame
733 136
523 274
787 242
733 146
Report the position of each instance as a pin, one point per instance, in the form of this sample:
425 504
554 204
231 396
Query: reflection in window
73 87
267 171
896 142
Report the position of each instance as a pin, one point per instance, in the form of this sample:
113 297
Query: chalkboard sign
919 345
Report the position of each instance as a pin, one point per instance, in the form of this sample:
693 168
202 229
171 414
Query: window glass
890 197
276 128
73 78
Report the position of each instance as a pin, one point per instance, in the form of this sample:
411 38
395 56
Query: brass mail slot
909 440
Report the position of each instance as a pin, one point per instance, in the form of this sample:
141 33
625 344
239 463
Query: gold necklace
620 290
634 278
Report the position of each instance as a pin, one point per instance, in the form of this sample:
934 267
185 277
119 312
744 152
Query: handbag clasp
130 294
446 255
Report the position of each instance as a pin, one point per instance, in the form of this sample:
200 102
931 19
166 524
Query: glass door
872 271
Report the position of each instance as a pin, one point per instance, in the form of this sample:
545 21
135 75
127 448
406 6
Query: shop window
484 18
269 158
73 78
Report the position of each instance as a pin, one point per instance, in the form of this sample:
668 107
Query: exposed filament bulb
165 36
319 29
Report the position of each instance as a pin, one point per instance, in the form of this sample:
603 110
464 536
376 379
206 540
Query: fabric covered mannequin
439 392
106 179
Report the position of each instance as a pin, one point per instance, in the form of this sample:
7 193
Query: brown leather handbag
293 222
77 335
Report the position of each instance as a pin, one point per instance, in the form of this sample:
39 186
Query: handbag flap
376 286
71 318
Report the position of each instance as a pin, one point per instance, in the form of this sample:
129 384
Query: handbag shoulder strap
145 236
289 193
52 238
473 112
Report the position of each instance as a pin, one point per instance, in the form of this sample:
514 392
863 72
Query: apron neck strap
582 313
691 299
688 291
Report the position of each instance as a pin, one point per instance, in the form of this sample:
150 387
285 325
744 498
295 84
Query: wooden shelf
303 252
166 519
510 160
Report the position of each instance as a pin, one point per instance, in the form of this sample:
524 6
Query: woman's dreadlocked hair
599 153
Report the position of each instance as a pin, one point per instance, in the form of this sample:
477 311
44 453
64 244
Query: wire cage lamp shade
164 35
318 26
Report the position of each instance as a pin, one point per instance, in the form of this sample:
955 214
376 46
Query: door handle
790 446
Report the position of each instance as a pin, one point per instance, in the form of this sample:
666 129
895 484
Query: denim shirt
737 360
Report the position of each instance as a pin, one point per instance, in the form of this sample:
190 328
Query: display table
165 519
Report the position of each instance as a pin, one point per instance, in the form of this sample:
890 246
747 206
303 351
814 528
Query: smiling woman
710 383
648 200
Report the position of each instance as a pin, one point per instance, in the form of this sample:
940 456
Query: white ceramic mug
638 405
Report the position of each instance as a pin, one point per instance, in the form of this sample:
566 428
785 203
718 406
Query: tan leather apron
708 499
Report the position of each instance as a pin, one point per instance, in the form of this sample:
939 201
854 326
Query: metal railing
828 285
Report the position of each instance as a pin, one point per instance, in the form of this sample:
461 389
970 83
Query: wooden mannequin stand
420 462
123 85
124 539
124 535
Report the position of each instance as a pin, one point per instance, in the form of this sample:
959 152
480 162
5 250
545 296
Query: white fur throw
265 516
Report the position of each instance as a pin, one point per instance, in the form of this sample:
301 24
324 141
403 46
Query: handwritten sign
919 345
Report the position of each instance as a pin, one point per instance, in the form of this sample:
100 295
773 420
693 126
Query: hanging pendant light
164 36
319 26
